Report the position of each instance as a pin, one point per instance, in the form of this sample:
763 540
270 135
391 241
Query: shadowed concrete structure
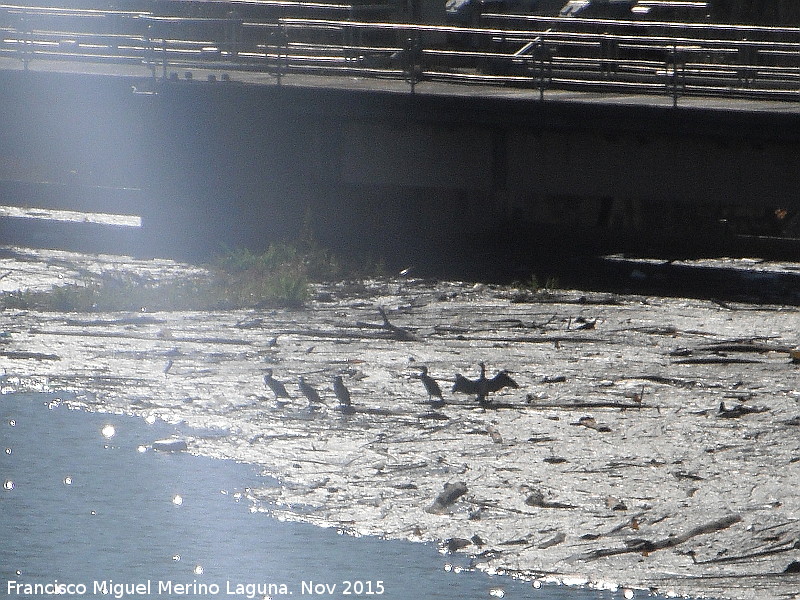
370 167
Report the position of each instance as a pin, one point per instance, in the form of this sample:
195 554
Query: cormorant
482 386
341 391
433 389
276 386
309 392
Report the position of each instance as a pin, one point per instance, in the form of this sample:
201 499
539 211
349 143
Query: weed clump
111 292
279 277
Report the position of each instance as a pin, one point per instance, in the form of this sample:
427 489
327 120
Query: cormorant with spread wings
482 386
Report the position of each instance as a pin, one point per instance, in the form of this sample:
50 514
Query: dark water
91 508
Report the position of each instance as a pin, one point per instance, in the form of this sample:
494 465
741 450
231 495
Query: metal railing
637 57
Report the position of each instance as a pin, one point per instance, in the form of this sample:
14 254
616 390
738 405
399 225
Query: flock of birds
480 387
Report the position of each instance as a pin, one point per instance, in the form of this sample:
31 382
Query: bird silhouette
276 386
433 389
309 392
342 393
482 387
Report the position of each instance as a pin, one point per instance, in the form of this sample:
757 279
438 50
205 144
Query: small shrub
532 284
238 278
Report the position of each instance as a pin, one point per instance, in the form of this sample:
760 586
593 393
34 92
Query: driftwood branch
787 546
395 332
716 360
664 380
646 546
739 410
24 355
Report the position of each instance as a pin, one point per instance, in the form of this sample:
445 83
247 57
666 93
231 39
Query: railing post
149 51
233 33
347 37
539 68
747 57
676 73
412 59
609 51
281 42
164 57
25 36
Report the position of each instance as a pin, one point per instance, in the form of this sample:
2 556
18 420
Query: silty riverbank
652 442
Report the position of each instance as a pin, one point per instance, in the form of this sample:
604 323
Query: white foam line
70 216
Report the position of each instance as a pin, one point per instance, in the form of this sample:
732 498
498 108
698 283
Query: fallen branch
739 410
22 355
664 380
531 403
143 336
787 546
647 546
591 423
716 360
395 332
745 347
541 339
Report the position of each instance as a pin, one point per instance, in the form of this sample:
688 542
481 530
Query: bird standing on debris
276 386
309 392
433 389
341 391
482 386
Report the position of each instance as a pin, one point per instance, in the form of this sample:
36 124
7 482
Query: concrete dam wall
223 163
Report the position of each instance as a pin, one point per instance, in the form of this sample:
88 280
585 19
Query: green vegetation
532 284
279 277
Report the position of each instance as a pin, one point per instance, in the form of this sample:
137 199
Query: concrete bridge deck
143 74
248 159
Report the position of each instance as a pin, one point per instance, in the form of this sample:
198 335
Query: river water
91 510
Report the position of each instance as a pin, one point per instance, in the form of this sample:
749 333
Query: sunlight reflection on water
70 216
118 526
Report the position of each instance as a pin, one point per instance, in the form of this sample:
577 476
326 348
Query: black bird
482 386
433 389
341 391
309 392
276 386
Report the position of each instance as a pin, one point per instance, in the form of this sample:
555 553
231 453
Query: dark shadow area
404 181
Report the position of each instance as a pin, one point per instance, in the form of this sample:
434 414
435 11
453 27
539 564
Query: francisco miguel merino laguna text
108 587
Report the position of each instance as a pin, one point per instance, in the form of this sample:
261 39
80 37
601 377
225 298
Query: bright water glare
87 503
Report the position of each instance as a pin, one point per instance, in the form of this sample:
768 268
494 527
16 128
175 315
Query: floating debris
552 541
170 445
591 423
739 410
451 493
536 498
